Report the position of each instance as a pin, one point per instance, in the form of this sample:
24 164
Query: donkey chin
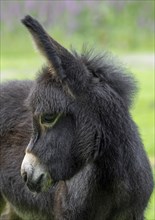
35 174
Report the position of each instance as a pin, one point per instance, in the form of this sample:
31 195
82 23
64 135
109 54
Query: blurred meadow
125 28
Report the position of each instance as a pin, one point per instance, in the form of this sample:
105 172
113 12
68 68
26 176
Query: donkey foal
83 143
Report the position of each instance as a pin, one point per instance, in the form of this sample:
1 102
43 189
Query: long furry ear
61 61
48 47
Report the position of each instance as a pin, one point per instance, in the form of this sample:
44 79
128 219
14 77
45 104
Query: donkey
85 159
84 136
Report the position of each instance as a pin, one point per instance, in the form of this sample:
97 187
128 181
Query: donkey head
76 104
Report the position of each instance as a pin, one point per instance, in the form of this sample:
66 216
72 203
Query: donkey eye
49 119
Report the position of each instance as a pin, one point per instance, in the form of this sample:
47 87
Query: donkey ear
61 61
45 45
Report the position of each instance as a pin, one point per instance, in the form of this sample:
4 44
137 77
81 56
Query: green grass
143 111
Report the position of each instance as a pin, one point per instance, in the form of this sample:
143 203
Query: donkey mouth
41 185
34 188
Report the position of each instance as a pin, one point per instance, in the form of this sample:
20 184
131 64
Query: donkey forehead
46 98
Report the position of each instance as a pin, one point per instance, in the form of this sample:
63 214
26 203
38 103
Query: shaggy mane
109 70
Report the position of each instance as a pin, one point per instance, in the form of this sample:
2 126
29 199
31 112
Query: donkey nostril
24 175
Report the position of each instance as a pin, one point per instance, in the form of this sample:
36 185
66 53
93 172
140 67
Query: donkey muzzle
34 174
